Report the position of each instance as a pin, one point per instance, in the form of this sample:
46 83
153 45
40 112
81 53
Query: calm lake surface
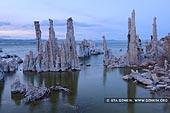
89 87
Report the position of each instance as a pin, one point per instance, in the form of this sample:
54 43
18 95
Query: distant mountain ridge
33 41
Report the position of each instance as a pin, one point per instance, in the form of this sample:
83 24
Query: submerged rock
17 87
60 88
136 76
35 93
88 65
153 82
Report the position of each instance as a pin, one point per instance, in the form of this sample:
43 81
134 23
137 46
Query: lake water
89 87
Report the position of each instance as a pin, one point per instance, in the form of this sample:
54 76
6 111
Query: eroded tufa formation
135 54
88 48
53 58
156 51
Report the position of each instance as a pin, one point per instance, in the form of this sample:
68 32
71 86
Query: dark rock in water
88 64
33 93
6 56
36 93
60 88
19 60
81 64
17 87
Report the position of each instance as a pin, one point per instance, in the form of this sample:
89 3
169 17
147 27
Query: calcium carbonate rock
10 64
154 39
132 46
152 47
4 66
156 51
39 46
64 64
35 93
38 37
60 88
13 65
136 76
84 49
135 53
17 87
31 65
109 58
71 46
52 41
87 48
26 63
19 60
53 58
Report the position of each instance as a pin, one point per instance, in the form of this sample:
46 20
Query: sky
91 18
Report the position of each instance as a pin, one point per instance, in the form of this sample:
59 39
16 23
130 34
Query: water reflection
47 79
125 71
16 98
166 107
131 93
131 89
104 76
1 92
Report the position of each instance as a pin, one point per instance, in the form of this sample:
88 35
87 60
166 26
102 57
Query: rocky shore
153 80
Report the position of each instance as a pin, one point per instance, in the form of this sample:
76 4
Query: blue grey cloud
4 23
55 22
61 23
82 24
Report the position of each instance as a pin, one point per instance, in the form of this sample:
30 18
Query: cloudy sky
92 18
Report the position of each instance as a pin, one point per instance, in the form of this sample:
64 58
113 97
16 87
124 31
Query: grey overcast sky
92 18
